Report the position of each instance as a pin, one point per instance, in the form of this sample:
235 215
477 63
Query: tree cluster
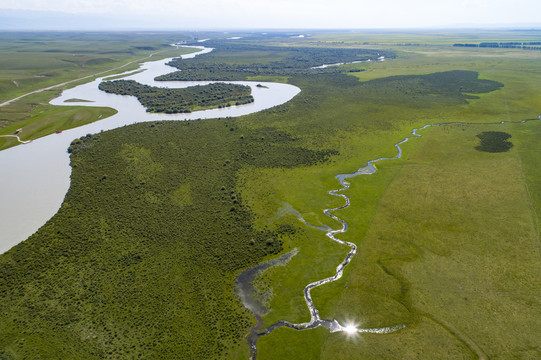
528 45
185 100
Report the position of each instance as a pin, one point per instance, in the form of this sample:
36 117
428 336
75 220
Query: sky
266 14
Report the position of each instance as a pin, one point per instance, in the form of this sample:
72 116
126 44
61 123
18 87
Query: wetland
161 217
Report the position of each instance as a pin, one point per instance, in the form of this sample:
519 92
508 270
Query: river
35 177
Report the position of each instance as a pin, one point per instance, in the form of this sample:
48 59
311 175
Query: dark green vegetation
494 141
142 257
455 86
140 260
535 45
218 65
185 100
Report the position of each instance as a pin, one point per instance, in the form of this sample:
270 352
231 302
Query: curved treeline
171 101
221 72
268 61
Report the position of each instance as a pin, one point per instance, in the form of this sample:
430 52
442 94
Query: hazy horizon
266 14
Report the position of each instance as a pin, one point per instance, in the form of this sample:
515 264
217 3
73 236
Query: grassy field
448 235
452 251
33 61
40 119
420 37
453 248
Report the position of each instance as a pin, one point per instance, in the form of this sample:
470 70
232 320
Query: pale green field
452 252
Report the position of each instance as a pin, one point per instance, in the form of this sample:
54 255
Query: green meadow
412 269
141 260
32 61
452 251
37 118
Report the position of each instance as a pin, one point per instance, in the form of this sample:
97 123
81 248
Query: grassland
32 61
448 235
408 236
373 297
453 250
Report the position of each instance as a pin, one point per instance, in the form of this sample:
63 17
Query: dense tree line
529 45
172 101
223 72
299 57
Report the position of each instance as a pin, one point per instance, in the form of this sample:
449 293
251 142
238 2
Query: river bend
35 177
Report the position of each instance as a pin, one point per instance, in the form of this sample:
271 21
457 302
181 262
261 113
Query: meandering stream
315 319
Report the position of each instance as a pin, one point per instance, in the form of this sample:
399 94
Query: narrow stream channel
315 320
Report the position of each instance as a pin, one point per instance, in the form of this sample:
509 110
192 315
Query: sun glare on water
350 329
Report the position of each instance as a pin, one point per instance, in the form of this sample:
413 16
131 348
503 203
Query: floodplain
161 217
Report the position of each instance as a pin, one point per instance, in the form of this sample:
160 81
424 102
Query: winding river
35 177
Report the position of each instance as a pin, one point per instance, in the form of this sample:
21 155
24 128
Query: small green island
77 100
173 101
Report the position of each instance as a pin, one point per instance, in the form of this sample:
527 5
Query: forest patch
494 141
